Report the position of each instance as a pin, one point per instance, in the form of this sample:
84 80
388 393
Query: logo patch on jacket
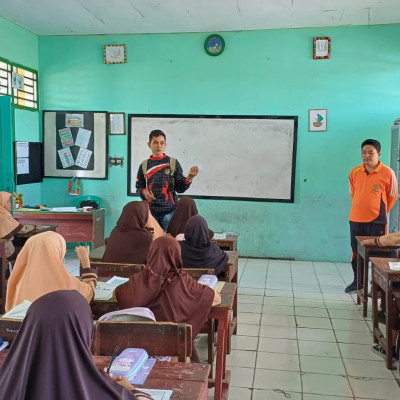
376 188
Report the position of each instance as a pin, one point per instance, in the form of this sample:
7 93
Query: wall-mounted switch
116 161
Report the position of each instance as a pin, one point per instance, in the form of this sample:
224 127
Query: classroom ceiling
86 17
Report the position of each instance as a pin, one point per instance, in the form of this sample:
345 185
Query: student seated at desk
9 226
50 357
197 249
39 270
185 209
392 239
130 240
171 294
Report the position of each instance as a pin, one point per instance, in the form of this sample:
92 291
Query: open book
104 290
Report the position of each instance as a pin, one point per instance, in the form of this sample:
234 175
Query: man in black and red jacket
160 177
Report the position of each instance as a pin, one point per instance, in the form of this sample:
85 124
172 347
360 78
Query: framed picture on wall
116 123
317 120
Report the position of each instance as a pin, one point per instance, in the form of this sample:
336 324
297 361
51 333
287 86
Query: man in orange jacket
373 191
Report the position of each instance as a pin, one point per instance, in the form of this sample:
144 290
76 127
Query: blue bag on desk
129 362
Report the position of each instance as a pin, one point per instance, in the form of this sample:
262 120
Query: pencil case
129 362
208 280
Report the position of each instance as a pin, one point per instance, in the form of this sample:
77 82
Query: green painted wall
21 47
268 72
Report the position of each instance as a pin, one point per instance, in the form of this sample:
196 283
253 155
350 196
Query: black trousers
362 229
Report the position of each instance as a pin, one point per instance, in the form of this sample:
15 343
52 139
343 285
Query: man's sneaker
351 288
379 350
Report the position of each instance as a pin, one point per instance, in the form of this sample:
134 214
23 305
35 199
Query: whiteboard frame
133 172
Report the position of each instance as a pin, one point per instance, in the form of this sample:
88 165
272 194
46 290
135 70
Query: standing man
373 190
160 177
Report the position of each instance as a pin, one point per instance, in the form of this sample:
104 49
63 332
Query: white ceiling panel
85 17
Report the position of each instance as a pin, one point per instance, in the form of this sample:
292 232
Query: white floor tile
330 385
248 329
311 312
318 335
276 394
278 320
241 377
244 343
282 362
322 365
311 303
313 322
282 332
370 369
272 345
241 358
377 389
277 310
248 299
270 379
278 301
320 349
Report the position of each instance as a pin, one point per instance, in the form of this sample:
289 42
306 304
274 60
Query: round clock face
214 45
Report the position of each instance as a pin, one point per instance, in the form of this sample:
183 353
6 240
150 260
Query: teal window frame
32 83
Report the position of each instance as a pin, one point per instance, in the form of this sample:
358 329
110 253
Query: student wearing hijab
50 357
185 209
39 270
197 249
130 240
9 226
169 292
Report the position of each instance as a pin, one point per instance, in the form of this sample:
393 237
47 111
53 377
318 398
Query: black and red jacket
160 182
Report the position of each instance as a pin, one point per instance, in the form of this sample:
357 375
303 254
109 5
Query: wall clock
214 45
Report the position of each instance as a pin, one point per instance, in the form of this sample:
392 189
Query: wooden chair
3 269
157 338
108 270
9 328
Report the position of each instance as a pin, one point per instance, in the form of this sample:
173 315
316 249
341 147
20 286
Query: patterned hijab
197 249
170 293
50 357
8 224
130 240
39 270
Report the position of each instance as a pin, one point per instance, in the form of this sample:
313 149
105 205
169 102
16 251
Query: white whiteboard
242 157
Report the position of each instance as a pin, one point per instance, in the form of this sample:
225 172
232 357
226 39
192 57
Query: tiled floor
300 336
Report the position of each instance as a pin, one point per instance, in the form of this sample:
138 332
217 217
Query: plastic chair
88 201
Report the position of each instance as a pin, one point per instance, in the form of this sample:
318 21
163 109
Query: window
20 83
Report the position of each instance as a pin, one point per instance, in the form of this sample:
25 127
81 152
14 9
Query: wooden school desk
363 257
389 282
221 313
187 381
73 226
228 244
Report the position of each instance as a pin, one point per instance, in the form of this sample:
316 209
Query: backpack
172 163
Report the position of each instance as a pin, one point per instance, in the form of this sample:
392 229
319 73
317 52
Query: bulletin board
28 162
250 157
75 144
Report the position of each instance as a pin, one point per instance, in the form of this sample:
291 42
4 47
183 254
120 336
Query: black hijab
50 357
197 249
